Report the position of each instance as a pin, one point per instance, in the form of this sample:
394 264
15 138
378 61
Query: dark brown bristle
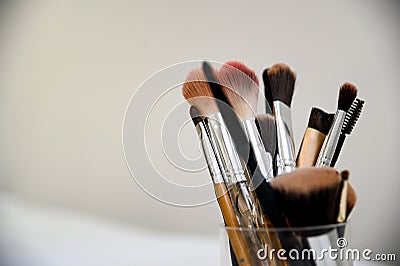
345 175
242 67
282 80
267 90
266 127
347 94
195 115
198 93
320 120
240 85
307 195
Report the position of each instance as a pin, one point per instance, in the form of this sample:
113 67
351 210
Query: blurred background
68 70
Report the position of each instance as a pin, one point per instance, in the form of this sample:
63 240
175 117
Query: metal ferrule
209 154
235 179
222 141
263 158
286 161
331 140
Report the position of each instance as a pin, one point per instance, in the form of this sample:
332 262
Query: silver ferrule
230 162
209 154
222 141
286 161
263 158
328 148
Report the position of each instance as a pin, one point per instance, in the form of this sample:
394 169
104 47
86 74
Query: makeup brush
198 93
349 123
237 241
266 126
282 80
240 85
307 195
347 94
267 92
318 127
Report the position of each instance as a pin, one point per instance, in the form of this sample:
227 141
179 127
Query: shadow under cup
314 245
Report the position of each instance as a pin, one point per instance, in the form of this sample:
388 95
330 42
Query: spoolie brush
282 80
349 123
318 127
240 85
347 94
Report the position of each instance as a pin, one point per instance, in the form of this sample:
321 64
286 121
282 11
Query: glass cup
314 245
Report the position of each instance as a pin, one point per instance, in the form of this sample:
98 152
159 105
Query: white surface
34 235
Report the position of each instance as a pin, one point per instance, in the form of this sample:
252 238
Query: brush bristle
347 94
198 93
307 195
240 85
282 80
267 90
345 175
246 70
352 116
195 115
320 120
266 127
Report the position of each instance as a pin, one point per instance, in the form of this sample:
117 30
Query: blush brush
240 85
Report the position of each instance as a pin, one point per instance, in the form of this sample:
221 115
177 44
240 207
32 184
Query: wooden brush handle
228 212
310 148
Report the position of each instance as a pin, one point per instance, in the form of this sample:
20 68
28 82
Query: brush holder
314 245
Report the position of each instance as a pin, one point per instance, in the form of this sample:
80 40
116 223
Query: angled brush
318 127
